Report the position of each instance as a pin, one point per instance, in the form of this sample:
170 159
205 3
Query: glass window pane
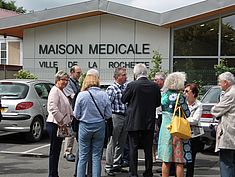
228 36
197 69
230 62
3 54
3 61
197 40
3 46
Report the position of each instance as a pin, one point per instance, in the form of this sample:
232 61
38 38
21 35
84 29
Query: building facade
105 35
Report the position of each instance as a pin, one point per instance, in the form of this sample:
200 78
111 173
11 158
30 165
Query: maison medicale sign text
106 50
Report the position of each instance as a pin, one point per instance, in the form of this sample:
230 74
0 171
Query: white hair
160 75
175 81
93 72
140 70
229 77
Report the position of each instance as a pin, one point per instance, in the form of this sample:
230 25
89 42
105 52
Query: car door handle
44 105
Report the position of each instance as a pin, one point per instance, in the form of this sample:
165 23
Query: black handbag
108 124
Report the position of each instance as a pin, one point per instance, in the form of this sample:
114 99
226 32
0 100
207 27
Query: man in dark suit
142 96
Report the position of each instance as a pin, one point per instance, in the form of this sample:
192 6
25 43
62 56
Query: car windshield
212 95
11 90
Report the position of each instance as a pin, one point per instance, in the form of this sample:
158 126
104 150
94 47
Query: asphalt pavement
21 159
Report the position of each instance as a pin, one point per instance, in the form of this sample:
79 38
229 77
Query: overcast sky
154 5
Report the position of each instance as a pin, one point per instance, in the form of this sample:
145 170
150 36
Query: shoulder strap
179 107
176 103
96 104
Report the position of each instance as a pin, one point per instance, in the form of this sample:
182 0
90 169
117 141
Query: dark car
24 106
207 120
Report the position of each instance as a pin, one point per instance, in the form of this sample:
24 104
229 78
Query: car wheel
36 129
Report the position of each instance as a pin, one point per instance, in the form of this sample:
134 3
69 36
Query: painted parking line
34 149
28 152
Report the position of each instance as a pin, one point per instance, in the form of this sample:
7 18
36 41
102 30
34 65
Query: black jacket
142 96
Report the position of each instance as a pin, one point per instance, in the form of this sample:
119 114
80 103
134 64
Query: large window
3 53
228 36
197 69
197 48
197 40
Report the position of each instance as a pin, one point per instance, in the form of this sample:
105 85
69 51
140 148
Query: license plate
3 109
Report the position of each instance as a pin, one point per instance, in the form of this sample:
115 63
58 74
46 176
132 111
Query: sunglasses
186 91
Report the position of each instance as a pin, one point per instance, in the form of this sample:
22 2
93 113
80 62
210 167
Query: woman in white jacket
195 106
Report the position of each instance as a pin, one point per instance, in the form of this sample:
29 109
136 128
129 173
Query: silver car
24 106
207 120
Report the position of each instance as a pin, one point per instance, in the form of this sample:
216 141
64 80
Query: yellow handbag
179 126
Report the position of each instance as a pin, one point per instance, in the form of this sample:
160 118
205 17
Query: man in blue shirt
117 141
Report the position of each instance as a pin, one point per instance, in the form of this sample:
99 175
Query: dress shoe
109 172
125 164
70 157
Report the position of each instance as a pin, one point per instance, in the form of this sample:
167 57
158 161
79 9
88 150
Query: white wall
105 29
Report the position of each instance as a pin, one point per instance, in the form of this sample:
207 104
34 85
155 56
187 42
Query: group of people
140 110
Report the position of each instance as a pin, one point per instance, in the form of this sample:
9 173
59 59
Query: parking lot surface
21 159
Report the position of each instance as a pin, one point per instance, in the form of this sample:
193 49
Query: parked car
203 90
24 106
207 120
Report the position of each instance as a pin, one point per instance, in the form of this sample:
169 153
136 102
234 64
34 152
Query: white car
210 98
24 106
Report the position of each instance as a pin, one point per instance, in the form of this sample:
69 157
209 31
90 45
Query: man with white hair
92 72
224 111
142 96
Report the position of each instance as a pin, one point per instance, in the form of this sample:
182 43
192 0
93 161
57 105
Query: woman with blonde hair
173 149
91 131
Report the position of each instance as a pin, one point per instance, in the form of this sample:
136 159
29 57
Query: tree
223 67
11 6
156 61
23 74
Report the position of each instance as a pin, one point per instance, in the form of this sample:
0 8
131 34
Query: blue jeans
227 162
91 139
55 148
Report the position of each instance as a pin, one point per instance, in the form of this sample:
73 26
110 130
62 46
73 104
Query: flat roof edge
194 10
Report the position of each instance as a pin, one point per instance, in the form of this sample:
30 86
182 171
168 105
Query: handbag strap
96 104
176 103
178 107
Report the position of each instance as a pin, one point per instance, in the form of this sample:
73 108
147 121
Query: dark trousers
227 162
195 147
125 157
145 137
55 148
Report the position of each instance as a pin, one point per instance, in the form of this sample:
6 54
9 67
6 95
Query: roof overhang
15 26
197 12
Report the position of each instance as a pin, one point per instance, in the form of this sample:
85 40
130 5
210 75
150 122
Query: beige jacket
58 107
226 128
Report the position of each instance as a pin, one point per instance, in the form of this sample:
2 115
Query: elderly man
224 111
71 91
142 96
